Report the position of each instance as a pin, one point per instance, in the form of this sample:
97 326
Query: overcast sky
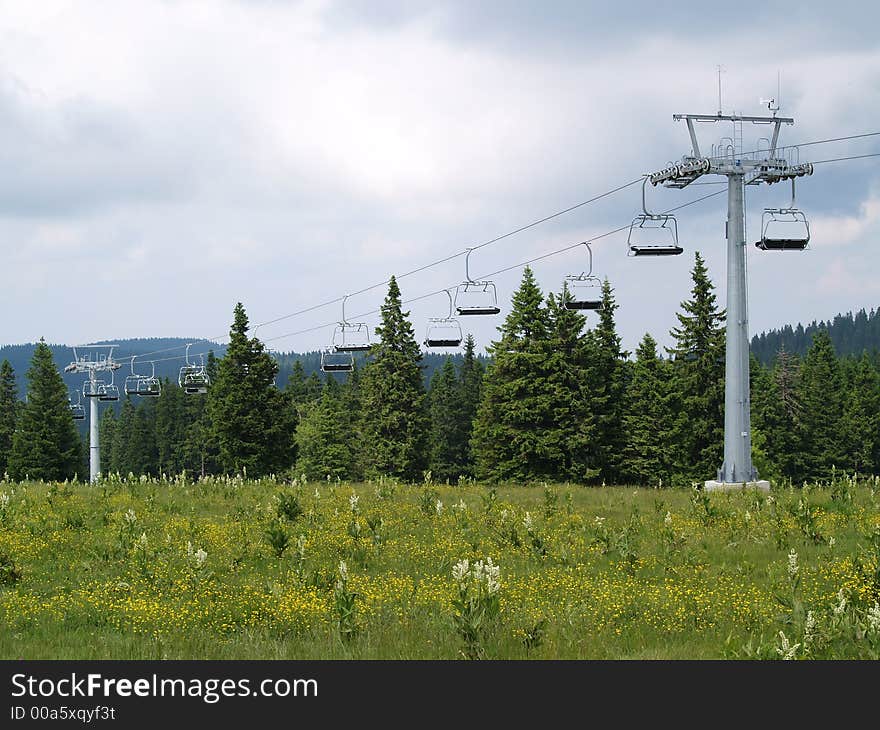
160 161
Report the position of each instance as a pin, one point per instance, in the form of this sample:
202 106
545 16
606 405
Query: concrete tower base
712 486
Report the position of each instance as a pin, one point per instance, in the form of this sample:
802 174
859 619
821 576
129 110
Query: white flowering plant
477 605
344 605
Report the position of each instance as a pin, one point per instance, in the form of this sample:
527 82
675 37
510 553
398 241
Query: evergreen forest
557 400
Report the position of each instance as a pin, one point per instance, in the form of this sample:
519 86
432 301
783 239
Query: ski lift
92 388
444 331
653 234
193 378
336 361
350 336
146 386
475 297
585 289
108 391
76 409
784 229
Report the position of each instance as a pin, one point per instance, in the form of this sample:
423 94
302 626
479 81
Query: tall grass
138 568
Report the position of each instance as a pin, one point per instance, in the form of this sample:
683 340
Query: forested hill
851 334
168 353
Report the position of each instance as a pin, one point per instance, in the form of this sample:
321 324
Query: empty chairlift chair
475 297
145 386
784 229
584 288
653 234
76 409
336 361
350 336
92 388
108 391
193 378
444 331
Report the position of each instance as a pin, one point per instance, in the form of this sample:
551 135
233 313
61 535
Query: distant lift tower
99 360
741 168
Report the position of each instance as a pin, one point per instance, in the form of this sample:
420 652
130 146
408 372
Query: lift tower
95 390
740 168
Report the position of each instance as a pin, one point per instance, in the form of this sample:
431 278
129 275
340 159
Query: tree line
851 334
558 401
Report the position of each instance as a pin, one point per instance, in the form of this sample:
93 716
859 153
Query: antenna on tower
773 104
720 69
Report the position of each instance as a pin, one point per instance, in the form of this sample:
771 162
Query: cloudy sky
162 160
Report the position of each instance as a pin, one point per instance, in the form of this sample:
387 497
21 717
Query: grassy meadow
235 569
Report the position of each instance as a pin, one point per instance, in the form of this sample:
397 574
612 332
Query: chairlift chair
108 391
336 361
585 288
444 331
193 378
350 336
92 388
653 234
145 386
784 229
475 297
76 409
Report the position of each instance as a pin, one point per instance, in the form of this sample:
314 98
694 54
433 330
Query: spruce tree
351 399
777 448
821 399
8 412
516 409
115 460
470 386
860 422
648 422
142 455
170 428
326 445
698 378
606 379
572 434
394 418
448 435
253 426
46 444
106 437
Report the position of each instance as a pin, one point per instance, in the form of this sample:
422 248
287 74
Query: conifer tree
170 429
516 409
448 432
649 421
115 460
106 437
607 384
764 400
394 418
351 399
698 379
250 419
199 439
8 412
568 369
776 415
141 455
326 444
470 386
821 400
45 444
860 422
